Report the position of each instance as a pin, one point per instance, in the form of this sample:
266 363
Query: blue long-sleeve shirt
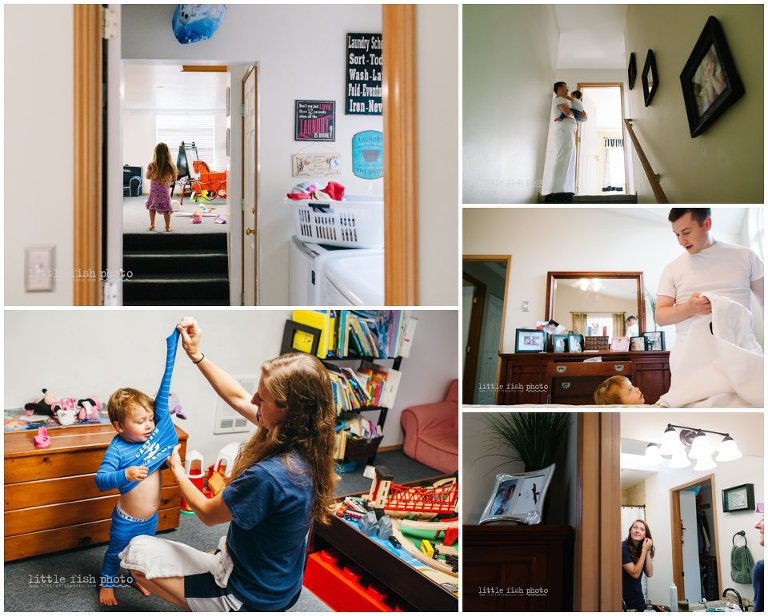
155 450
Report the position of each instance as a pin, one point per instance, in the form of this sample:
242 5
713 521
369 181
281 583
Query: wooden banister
658 192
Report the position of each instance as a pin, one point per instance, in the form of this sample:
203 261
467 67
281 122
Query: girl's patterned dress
159 197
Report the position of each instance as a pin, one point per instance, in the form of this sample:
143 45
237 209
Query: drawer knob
561 369
619 367
566 384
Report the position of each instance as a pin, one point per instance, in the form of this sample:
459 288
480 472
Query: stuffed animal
89 410
41 406
174 405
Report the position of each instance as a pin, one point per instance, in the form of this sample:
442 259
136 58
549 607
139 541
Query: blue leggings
124 528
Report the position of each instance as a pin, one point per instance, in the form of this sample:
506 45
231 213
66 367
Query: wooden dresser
51 499
508 568
564 378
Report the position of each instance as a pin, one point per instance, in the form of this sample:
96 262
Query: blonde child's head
132 413
618 390
162 163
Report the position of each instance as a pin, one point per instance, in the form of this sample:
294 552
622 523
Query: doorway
601 165
179 257
695 564
484 284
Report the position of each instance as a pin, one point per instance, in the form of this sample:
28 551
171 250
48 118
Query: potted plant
534 439
651 299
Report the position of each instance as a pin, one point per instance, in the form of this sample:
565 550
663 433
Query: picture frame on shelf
559 343
637 343
530 341
650 78
620 343
710 80
575 343
518 497
654 341
300 337
739 498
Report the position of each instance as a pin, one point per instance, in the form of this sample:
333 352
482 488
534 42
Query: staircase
606 198
164 269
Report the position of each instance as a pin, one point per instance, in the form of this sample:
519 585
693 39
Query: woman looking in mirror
637 558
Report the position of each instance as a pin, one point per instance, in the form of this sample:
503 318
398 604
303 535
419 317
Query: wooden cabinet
51 499
564 378
507 568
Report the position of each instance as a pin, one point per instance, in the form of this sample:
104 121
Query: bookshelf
363 351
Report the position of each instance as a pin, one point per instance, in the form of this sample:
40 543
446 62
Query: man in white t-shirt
631 327
564 169
732 271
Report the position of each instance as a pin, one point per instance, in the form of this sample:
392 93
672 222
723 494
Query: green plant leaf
533 438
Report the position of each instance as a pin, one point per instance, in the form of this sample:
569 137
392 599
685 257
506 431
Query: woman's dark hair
299 383
557 85
635 548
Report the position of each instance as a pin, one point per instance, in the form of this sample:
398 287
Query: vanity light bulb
652 455
679 459
583 284
700 447
705 463
596 285
728 451
668 442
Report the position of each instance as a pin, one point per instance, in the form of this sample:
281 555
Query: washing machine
352 278
356 275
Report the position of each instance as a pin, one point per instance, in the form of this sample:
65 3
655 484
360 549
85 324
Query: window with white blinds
200 128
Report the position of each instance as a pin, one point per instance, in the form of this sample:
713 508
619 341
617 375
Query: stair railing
653 178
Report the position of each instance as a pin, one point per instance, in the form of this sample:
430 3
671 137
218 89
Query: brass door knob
249 231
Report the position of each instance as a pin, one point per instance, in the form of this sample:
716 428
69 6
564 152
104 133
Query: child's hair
576 94
299 383
123 400
162 166
608 391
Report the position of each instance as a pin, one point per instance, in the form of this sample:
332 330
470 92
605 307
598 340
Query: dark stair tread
157 241
172 301
173 254
157 278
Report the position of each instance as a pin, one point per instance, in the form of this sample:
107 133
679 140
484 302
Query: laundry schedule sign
315 121
363 74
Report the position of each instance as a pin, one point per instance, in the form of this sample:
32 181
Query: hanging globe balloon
197 22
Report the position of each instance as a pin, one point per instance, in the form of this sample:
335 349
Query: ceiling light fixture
674 443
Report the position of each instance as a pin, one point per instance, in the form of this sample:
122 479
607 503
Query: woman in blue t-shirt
281 483
637 558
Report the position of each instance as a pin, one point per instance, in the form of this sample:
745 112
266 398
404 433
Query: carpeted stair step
155 242
208 289
607 198
199 261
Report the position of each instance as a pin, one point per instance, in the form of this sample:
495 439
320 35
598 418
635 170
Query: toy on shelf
225 461
440 498
42 439
89 410
42 405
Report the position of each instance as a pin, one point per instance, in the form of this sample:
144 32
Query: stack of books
369 386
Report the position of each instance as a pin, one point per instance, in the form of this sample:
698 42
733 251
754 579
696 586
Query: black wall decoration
363 74
650 78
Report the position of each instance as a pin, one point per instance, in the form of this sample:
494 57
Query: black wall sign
363 74
315 121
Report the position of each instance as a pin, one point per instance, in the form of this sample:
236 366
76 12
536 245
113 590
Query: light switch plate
39 268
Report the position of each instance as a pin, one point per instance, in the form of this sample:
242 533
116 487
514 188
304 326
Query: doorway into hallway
601 164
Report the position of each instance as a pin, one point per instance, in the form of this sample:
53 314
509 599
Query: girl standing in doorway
162 173
637 558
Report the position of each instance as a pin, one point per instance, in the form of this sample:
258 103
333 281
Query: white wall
508 69
139 138
723 165
38 145
437 65
747 429
300 52
542 239
125 348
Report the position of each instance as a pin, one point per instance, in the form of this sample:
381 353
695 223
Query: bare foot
151 228
168 229
107 596
141 589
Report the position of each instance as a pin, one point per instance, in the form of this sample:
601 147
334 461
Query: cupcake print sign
368 154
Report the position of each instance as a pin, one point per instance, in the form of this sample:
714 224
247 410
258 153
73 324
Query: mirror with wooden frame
596 303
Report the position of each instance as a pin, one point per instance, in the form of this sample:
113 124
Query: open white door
690 546
489 350
250 166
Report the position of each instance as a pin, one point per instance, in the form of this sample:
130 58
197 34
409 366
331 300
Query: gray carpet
26 590
136 217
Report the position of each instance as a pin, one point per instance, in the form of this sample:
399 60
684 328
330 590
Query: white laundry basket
356 222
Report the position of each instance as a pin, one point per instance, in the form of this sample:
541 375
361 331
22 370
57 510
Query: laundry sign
368 154
363 74
315 121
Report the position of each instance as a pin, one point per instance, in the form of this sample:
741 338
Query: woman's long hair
299 383
164 169
635 548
